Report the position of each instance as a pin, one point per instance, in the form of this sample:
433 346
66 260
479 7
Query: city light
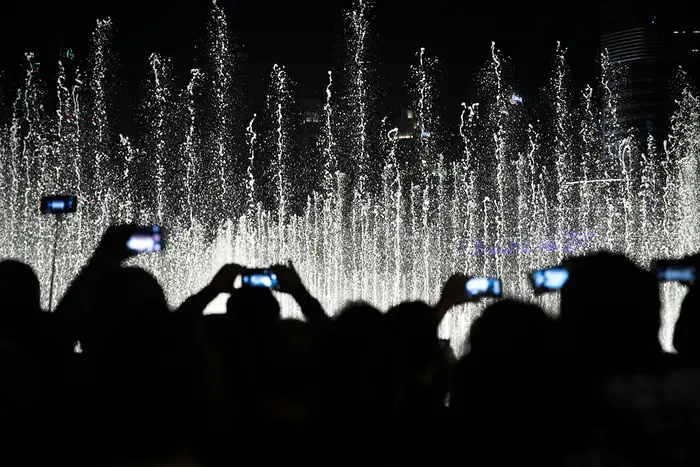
516 100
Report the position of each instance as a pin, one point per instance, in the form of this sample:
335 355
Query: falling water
562 144
376 216
191 156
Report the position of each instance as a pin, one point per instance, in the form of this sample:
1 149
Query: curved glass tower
652 38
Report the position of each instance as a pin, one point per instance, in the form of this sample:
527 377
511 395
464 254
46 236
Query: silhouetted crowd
114 377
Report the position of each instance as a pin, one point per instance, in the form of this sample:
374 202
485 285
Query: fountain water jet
516 194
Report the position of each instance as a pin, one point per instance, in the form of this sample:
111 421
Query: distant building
409 126
307 149
651 38
515 99
311 111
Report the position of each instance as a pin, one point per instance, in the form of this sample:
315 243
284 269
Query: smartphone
264 278
482 287
59 204
549 280
146 240
674 271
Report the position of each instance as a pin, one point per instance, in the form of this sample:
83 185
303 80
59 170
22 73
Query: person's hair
610 307
511 328
139 360
127 304
358 360
21 316
19 287
413 326
502 388
254 306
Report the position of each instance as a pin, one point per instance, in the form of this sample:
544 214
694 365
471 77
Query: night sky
306 36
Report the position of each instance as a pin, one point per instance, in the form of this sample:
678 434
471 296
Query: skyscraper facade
652 39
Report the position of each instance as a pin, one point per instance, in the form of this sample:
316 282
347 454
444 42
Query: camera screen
550 279
266 279
59 204
147 240
678 273
484 287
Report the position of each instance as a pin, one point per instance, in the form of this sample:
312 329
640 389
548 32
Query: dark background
307 37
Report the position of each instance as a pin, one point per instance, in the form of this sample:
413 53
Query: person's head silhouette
511 329
127 304
413 326
501 387
359 360
253 307
20 296
610 312
138 360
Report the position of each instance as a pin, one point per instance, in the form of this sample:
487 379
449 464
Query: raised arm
290 283
454 293
77 301
221 283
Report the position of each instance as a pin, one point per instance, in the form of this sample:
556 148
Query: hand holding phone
483 287
549 280
682 271
288 280
146 240
121 242
58 204
225 279
452 293
259 278
113 248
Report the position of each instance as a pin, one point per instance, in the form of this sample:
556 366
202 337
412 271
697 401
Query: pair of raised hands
287 278
113 251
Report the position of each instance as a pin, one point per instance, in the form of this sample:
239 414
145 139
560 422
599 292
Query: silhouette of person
502 396
686 335
611 315
20 301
